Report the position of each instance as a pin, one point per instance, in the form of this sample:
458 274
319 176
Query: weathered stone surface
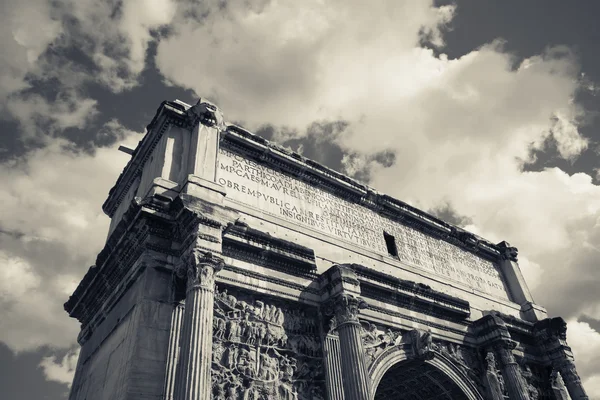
235 269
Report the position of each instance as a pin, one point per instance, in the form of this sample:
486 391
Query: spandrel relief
376 340
264 349
420 344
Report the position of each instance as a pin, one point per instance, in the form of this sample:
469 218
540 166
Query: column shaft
514 381
572 381
173 352
354 371
196 346
333 368
193 378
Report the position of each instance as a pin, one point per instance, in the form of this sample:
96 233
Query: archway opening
417 380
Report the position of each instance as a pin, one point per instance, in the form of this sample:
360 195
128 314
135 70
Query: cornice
254 146
252 242
411 295
242 141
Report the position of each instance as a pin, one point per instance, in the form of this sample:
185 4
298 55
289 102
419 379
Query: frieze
264 349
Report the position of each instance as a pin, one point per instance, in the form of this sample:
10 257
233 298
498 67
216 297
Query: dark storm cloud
528 28
21 378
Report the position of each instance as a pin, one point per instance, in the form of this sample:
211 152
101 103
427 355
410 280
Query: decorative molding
242 241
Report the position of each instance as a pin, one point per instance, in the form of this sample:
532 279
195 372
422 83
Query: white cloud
40 118
114 35
291 63
21 45
585 343
52 228
461 128
61 371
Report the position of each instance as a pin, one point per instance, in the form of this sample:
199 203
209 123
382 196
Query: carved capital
199 269
345 309
205 114
504 348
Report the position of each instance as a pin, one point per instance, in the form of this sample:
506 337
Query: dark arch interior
417 380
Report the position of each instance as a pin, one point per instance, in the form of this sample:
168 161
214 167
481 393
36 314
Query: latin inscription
278 194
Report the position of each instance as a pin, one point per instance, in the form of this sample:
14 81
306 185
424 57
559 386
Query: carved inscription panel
264 350
273 192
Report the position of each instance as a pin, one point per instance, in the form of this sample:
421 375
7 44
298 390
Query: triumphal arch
235 269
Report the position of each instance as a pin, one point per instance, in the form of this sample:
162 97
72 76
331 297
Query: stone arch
396 356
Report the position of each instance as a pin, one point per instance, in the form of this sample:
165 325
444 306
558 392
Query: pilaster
516 284
207 123
558 386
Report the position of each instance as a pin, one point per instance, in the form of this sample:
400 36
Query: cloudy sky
484 112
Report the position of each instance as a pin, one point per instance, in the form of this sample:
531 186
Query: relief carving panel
264 349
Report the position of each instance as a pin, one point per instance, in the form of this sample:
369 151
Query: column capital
345 308
503 348
199 269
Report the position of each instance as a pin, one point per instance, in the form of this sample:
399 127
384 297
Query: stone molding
255 245
180 114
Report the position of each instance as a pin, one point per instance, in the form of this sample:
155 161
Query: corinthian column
514 381
354 371
571 379
192 381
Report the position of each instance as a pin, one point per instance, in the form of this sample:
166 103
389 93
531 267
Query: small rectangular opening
390 242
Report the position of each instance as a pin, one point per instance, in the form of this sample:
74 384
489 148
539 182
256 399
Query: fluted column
193 380
572 380
514 381
333 368
354 371
173 352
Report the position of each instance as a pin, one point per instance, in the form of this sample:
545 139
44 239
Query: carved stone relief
264 349
494 383
533 391
377 340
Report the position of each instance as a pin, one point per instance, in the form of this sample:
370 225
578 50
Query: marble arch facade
235 269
